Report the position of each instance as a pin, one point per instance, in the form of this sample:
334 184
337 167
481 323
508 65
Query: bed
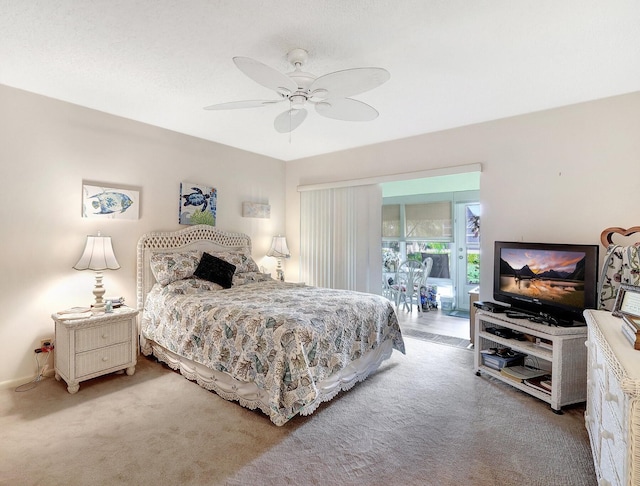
282 348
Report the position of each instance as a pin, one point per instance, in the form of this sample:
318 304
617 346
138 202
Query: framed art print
102 202
256 210
198 204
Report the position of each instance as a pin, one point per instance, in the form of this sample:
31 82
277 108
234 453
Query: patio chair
407 284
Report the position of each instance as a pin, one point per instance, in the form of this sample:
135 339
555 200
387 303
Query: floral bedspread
284 337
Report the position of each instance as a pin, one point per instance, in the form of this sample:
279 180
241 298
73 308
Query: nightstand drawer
102 359
101 336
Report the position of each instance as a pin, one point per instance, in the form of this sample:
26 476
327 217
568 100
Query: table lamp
98 256
279 250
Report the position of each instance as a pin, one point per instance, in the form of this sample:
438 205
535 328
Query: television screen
557 279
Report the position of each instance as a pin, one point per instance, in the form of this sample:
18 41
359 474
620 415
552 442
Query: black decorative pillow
215 270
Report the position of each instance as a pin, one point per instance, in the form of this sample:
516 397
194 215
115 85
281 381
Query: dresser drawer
598 363
593 428
616 399
593 418
102 359
103 335
611 466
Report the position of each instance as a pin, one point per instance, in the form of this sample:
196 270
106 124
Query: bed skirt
250 396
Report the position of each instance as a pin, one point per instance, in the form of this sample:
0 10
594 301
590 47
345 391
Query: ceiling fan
330 93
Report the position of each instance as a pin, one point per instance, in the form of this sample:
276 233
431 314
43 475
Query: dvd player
490 306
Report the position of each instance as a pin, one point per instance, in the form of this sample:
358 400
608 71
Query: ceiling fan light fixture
297 101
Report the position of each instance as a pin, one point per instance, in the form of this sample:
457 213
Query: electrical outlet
45 343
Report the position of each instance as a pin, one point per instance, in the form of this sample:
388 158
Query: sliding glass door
443 227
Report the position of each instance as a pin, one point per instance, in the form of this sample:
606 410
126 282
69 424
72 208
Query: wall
560 175
47 148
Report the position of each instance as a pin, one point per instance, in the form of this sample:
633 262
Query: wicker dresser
97 345
613 401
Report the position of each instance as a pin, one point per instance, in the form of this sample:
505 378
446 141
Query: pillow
250 277
243 262
169 267
215 270
192 285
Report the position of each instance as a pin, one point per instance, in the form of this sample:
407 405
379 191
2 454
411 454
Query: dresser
612 416
94 346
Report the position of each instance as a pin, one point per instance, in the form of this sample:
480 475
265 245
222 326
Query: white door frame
459 254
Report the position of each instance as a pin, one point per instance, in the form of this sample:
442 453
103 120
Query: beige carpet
422 419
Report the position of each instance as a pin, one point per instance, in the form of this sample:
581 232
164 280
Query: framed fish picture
104 202
198 204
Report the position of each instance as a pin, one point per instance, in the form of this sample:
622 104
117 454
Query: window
415 231
391 221
430 221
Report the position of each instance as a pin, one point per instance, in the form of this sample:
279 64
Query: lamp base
280 271
99 305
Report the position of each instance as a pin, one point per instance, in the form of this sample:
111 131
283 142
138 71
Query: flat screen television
556 280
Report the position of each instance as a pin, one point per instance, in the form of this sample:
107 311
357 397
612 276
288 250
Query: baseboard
47 362
9 384
5 385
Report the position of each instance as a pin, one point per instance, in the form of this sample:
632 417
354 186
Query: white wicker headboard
200 237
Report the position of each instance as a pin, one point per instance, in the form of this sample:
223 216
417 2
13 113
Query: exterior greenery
473 268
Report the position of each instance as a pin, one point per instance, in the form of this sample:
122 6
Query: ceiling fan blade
349 82
346 109
266 76
234 105
289 120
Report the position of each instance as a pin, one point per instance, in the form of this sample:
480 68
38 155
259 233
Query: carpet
423 418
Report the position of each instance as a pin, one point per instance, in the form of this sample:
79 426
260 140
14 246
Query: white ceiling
452 63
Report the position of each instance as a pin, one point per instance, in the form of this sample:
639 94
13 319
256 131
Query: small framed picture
110 202
198 204
255 210
627 301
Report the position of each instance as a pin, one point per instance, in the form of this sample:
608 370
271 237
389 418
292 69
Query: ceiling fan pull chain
290 119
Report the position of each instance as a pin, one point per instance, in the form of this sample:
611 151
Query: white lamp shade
98 255
279 248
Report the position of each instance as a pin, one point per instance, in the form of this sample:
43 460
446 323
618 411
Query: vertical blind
340 238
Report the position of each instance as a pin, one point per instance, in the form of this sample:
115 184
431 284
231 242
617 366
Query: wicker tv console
564 357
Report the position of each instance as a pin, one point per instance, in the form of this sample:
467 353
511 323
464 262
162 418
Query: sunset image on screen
555 276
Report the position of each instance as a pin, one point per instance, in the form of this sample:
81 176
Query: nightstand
93 346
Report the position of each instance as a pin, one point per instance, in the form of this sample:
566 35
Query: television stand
560 351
